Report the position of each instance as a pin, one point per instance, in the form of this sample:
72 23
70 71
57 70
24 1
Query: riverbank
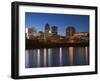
30 44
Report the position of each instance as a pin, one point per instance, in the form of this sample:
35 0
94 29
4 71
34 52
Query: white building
80 34
26 33
31 32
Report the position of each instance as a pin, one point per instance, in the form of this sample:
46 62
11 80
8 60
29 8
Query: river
55 57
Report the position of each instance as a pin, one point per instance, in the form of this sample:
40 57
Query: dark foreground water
52 57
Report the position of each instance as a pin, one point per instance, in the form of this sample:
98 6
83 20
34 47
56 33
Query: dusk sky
62 21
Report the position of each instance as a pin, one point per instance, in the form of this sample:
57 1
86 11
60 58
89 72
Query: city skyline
62 21
53 40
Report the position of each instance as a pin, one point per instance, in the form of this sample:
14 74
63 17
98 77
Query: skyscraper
47 29
54 30
70 31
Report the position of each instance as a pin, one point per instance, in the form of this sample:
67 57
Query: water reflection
60 55
86 55
45 57
70 54
52 57
38 57
49 57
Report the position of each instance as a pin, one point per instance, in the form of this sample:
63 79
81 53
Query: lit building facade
47 29
31 33
70 31
41 34
51 34
26 33
82 36
78 34
54 30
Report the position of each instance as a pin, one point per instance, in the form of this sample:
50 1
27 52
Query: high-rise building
54 30
41 34
70 31
26 33
32 32
47 29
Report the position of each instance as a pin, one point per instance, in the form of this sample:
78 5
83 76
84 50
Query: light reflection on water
52 57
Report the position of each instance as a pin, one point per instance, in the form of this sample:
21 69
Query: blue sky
62 21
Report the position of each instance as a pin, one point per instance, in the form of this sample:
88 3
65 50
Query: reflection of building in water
60 55
30 58
71 54
38 57
70 31
26 59
45 57
54 53
49 57
86 55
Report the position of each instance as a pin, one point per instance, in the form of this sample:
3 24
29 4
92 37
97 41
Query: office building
54 30
32 32
47 29
70 31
